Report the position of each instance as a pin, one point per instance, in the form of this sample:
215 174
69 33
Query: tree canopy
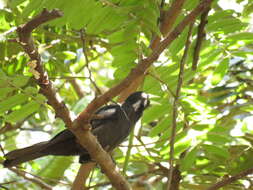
62 60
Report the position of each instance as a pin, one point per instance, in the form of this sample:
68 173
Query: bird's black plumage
115 125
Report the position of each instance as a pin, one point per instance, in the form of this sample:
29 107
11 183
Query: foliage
94 46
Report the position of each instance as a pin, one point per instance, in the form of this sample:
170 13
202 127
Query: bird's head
135 104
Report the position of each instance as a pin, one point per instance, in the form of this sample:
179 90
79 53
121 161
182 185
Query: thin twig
88 140
33 179
79 127
152 171
46 178
127 157
143 65
200 38
162 82
9 127
2 150
87 63
231 179
175 105
144 145
68 77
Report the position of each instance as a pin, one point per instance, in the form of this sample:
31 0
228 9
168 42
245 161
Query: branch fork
77 126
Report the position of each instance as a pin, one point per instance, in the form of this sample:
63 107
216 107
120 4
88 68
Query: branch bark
84 136
168 20
143 65
82 175
200 37
230 180
80 126
25 39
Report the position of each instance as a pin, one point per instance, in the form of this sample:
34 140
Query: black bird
115 125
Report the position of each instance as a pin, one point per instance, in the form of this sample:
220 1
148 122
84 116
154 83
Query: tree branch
37 181
80 125
76 87
143 65
82 175
200 37
25 39
98 91
85 137
175 106
168 20
230 180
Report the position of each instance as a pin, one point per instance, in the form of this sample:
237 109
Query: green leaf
157 111
33 6
189 159
219 151
4 92
51 170
2 75
152 86
220 71
218 138
160 127
242 36
31 90
222 97
182 146
221 24
16 3
96 25
219 15
178 43
23 112
12 101
19 81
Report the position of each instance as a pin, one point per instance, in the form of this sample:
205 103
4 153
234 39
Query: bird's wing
113 130
62 136
105 113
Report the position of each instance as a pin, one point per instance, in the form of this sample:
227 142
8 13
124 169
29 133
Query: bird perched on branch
114 126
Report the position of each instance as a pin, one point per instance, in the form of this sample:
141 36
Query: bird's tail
19 156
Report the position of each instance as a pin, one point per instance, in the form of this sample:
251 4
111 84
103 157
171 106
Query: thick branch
85 137
143 65
82 175
98 154
231 179
168 20
25 39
